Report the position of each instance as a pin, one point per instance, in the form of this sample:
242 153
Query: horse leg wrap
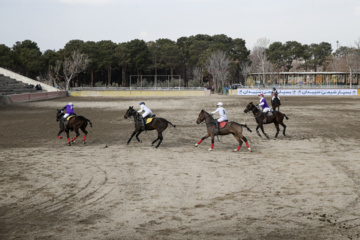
69 140
59 137
212 145
247 145
238 148
84 138
200 141
74 139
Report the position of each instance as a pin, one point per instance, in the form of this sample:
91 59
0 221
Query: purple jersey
263 103
69 110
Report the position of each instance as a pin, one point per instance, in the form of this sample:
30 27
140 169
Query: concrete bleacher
9 86
15 88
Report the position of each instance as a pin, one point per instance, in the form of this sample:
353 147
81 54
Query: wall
28 97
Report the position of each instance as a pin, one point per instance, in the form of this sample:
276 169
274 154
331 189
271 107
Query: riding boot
279 102
65 122
265 117
143 124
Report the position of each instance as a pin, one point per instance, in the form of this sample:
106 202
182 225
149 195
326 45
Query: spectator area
9 86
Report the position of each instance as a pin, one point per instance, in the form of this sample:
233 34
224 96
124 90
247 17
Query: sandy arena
301 186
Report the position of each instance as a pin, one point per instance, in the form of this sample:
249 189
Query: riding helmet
71 104
260 94
142 103
273 87
219 104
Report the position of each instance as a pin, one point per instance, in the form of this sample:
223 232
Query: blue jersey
69 110
263 103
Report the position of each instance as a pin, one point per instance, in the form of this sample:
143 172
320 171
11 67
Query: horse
275 103
233 128
75 123
276 118
159 124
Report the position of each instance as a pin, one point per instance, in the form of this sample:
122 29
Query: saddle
69 117
222 124
149 119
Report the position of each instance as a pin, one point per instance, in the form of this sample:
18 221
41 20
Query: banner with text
300 92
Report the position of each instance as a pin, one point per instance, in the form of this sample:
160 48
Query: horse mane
135 113
207 114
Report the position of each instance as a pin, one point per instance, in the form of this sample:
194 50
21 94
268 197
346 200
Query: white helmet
71 104
219 104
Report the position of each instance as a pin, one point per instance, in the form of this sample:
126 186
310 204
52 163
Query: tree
53 73
90 48
319 53
139 55
106 56
6 57
27 57
217 65
275 54
259 56
122 55
245 70
170 56
74 65
240 61
51 60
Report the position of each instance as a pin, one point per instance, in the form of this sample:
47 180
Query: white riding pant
274 98
266 110
221 119
66 115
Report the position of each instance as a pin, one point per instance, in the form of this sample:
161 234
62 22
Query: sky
53 23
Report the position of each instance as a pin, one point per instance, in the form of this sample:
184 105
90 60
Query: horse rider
274 93
223 115
265 107
147 113
69 110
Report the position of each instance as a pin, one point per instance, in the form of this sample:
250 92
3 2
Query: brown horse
233 128
75 123
275 103
276 118
159 124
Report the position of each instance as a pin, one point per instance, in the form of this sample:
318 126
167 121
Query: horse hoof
84 142
210 149
235 150
196 144
249 149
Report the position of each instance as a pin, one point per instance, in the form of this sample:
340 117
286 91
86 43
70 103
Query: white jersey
222 113
146 110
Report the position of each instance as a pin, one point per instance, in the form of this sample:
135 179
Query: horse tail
244 125
89 122
171 123
286 116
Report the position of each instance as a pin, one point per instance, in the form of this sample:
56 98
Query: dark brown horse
159 124
275 103
75 123
233 128
275 117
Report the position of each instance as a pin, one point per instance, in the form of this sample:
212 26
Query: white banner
299 92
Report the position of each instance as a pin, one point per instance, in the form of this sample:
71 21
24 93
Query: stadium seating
9 86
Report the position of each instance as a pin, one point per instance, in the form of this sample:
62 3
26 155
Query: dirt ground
301 186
